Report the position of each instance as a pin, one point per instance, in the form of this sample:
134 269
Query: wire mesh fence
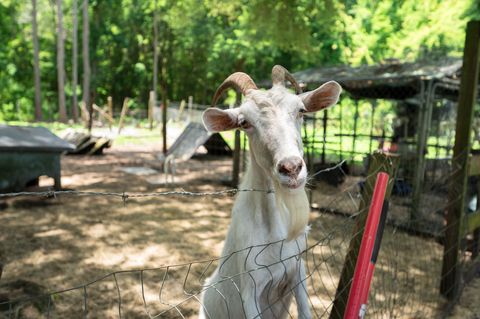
412 117
406 282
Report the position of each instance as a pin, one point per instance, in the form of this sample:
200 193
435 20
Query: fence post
379 162
372 124
110 111
110 106
422 147
151 104
324 146
164 122
450 281
123 114
340 118
355 122
90 111
190 108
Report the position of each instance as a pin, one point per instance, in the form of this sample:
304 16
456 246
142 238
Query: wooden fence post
110 110
181 109
110 106
90 111
372 124
422 147
122 114
354 139
450 281
190 108
324 144
340 119
151 104
164 122
379 162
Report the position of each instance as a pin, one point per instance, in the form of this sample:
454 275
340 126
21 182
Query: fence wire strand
396 292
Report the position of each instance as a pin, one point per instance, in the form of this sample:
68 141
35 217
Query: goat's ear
322 97
217 120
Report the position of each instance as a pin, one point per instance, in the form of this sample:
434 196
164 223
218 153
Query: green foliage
200 42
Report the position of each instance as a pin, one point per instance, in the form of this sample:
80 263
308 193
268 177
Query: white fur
257 282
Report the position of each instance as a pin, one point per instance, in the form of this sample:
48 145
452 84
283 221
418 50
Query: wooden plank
379 162
103 114
474 165
451 267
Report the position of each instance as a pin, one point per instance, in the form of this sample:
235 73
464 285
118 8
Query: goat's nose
290 166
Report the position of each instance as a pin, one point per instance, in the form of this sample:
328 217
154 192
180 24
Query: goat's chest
277 264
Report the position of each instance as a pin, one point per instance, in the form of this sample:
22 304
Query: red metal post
357 300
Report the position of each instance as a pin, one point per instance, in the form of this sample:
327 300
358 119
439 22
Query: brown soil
68 241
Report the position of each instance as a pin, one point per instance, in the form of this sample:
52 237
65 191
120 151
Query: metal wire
323 259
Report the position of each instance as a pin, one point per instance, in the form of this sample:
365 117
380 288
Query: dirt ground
53 244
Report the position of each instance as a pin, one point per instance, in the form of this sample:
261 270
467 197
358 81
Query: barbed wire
323 261
127 195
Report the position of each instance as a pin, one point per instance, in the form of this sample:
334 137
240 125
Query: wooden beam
379 162
450 281
103 114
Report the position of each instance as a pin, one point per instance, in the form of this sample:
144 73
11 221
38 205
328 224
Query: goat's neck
284 213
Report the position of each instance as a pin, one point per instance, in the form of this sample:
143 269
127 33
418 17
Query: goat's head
272 120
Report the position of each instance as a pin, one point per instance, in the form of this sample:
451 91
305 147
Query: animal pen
430 247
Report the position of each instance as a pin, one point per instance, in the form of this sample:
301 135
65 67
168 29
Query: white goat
268 230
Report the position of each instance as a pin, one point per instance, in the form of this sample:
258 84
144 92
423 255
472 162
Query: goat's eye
301 112
244 124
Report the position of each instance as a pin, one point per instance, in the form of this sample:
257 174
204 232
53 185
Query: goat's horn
238 80
280 74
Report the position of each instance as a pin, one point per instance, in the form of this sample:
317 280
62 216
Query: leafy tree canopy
200 42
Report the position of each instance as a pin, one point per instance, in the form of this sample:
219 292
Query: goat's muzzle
289 170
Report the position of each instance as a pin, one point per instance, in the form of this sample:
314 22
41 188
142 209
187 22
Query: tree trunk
62 112
86 58
36 63
75 61
155 54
